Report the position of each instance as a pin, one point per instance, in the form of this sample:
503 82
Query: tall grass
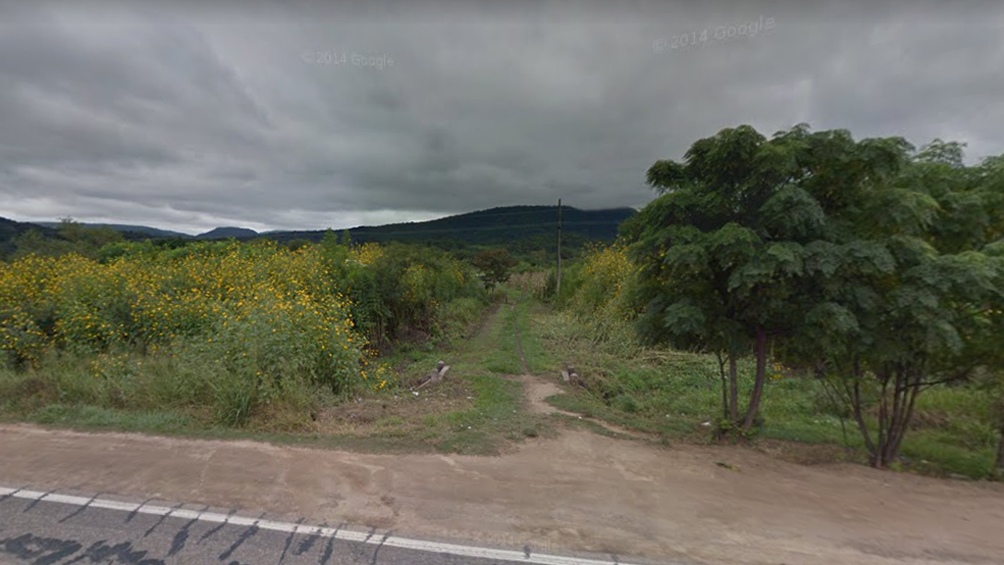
539 284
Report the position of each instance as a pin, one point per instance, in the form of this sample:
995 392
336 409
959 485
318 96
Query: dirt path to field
538 390
579 492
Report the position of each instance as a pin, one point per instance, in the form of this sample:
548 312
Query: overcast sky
310 116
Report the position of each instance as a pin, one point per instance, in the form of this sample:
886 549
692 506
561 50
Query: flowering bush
604 278
242 325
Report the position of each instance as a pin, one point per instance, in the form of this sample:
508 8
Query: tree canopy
495 266
867 263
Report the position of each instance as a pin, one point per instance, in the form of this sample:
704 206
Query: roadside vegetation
320 343
222 333
807 288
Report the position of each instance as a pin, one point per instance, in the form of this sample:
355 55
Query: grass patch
934 454
94 417
493 418
515 341
538 358
504 358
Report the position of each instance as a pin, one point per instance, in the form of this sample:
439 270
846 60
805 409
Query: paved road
49 528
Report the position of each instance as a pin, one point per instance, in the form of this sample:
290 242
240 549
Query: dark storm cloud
307 115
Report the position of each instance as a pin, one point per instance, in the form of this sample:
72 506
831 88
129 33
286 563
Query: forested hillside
529 232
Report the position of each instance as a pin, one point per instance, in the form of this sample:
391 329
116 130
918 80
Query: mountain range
494 226
125 228
527 226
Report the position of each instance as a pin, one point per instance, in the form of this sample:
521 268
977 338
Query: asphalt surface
51 529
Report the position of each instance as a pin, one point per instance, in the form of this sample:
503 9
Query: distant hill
524 229
144 230
9 229
499 225
494 226
228 232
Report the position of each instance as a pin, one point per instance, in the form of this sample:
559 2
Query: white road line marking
347 535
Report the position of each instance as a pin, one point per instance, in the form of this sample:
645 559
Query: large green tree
723 250
984 228
859 260
902 296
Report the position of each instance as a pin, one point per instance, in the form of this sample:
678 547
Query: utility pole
557 292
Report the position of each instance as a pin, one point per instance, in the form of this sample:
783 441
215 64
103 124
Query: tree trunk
910 400
879 459
1000 425
759 378
1000 450
854 395
733 390
725 385
878 454
895 413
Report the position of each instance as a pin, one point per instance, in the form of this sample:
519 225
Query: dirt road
580 491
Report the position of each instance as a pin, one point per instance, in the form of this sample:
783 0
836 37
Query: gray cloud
256 114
